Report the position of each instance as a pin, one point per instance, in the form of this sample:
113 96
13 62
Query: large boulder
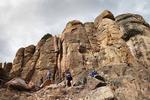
132 24
102 93
18 84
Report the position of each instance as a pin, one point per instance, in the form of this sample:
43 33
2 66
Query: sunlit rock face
118 47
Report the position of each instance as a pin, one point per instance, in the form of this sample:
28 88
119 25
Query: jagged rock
117 46
7 67
104 14
73 37
89 27
18 83
36 61
132 24
47 60
46 83
29 67
28 53
4 72
18 63
22 57
115 49
139 46
102 93
94 83
81 79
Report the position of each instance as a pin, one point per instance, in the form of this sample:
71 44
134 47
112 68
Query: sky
24 22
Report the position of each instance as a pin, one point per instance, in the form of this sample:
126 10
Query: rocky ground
118 48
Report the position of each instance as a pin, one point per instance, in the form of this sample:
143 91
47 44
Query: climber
93 73
48 76
68 78
96 75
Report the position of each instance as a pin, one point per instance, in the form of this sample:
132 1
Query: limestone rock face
117 47
18 84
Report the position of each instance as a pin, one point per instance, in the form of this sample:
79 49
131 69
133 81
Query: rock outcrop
117 47
5 69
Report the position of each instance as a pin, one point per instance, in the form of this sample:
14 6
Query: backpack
68 76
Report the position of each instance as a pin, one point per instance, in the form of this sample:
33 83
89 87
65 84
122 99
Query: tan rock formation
104 14
118 47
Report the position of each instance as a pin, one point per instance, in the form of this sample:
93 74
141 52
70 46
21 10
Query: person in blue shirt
68 78
93 73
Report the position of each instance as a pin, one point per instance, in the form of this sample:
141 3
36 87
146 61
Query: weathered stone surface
73 37
140 48
33 62
47 60
28 53
81 79
132 24
46 83
7 67
116 47
94 83
103 93
104 14
18 83
126 79
22 57
18 63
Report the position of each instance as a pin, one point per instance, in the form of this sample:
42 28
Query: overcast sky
24 22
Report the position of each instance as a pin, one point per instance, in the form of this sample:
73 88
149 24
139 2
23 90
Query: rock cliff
118 48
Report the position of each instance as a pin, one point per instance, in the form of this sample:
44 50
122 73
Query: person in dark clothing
69 78
93 73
